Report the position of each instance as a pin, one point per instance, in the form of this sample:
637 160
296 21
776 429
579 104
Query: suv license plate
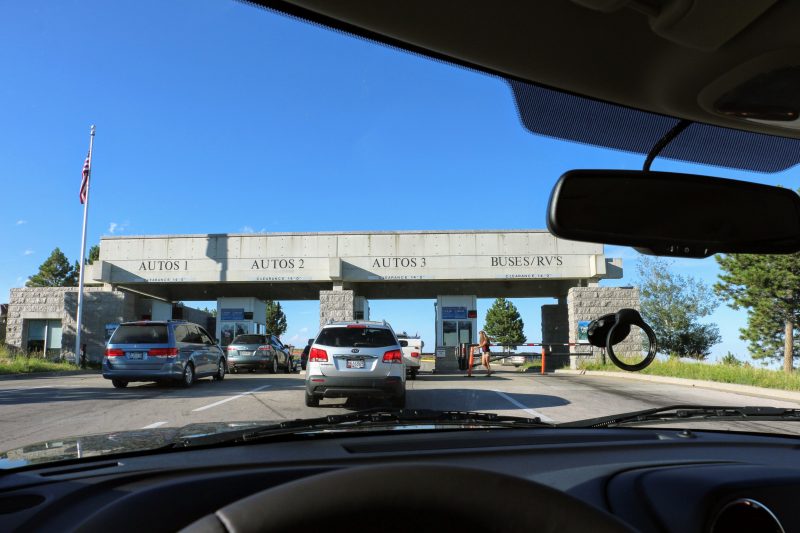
135 355
355 363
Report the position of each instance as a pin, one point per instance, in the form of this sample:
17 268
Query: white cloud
117 227
303 330
247 229
21 222
28 252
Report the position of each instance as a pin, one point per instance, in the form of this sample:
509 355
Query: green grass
20 364
742 375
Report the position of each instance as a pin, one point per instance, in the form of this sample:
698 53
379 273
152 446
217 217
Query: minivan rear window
140 334
357 337
250 339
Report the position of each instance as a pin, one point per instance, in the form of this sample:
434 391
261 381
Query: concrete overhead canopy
401 264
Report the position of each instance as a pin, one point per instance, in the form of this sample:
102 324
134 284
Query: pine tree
94 254
54 272
276 319
768 286
503 324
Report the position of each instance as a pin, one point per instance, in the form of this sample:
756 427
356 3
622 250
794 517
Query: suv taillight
162 352
318 356
414 354
114 352
393 356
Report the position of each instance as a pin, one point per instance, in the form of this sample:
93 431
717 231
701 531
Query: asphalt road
37 409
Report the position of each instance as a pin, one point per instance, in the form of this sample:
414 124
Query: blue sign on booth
454 312
232 314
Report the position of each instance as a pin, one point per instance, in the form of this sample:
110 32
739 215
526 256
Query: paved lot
37 409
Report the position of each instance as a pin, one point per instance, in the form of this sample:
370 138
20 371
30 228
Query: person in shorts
483 345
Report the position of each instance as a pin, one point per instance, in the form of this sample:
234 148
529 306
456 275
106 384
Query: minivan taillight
162 352
393 356
112 352
318 356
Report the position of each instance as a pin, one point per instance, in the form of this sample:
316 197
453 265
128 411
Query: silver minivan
356 359
174 350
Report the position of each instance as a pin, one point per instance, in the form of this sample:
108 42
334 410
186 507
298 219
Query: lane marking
155 425
537 414
209 406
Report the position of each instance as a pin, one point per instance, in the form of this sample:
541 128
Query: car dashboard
650 479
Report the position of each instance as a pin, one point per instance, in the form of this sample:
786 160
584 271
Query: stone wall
101 306
31 303
588 303
336 305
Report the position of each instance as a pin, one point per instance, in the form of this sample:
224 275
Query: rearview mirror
665 213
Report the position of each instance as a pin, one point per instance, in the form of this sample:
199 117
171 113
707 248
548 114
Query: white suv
412 353
356 358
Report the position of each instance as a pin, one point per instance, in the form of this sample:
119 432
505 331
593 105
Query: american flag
85 180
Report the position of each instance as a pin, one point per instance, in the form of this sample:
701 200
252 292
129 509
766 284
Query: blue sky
214 116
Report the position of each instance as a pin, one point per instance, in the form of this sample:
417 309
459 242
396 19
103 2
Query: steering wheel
409 497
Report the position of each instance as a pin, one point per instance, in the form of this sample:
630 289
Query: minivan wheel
311 400
273 368
188 375
119 383
220 375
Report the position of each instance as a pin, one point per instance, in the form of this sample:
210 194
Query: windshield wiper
688 412
370 417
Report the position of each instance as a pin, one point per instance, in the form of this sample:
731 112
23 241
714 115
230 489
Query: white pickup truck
412 353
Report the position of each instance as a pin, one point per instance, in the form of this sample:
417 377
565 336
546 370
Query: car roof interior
730 64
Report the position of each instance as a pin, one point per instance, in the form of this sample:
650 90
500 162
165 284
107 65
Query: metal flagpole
79 318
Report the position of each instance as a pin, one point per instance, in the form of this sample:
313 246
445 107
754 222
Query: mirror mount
663 142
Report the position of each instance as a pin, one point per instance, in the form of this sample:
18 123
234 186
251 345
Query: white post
79 318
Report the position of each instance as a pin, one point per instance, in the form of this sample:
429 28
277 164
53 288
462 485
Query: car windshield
271 180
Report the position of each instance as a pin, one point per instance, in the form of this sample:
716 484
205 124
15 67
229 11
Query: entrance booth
240 316
456 323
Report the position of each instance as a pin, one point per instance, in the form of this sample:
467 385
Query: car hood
111 443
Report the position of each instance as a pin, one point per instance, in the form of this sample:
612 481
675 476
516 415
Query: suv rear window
140 334
357 337
250 339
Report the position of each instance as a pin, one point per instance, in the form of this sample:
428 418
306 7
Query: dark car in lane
258 352
162 351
